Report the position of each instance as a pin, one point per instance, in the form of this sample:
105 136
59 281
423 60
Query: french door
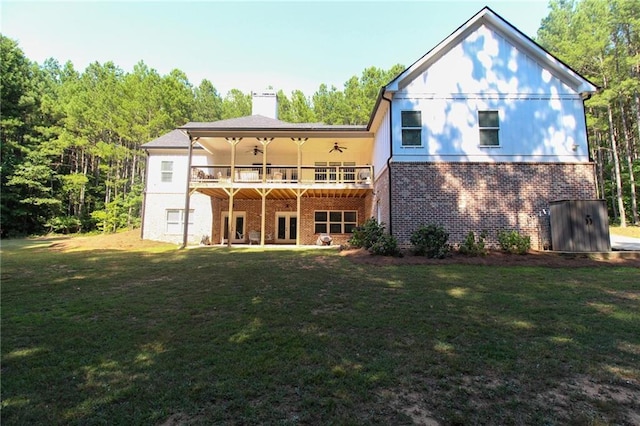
286 227
239 222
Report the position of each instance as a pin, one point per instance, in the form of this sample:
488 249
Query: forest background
71 157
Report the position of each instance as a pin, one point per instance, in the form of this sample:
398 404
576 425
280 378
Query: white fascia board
509 32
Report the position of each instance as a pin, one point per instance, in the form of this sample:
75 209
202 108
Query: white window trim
168 172
402 145
480 129
179 224
328 222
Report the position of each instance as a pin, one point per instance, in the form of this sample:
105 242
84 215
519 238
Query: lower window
335 222
175 220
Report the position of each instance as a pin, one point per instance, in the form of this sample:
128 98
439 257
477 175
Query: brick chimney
264 103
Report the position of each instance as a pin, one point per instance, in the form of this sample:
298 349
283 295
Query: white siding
155 217
162 196
381 145
541 118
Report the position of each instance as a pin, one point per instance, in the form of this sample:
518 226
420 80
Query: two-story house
481 133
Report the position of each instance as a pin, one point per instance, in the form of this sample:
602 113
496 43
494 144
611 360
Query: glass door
239 235
286 227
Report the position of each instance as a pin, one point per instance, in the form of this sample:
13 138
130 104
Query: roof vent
264 103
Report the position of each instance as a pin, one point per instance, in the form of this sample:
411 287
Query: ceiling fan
338 148
255 150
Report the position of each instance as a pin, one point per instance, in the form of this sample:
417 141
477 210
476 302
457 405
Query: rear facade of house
481 133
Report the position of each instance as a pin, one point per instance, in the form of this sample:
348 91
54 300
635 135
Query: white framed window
411 128
335 221
335 171
175 220
489 126
166 171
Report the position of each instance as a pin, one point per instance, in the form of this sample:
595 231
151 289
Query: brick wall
467 197
253 210
381 204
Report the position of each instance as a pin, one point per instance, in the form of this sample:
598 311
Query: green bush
371 236
473 247
385 245
367 234
513 242
430 241
64 224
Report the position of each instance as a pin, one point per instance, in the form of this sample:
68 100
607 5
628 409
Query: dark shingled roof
259 122
178 138
173 139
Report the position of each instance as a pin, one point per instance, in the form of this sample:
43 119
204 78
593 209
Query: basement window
335 222
489 126
175 221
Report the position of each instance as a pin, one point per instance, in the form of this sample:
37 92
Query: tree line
70 140
601 41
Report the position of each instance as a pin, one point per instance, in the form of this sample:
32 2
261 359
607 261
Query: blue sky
248 45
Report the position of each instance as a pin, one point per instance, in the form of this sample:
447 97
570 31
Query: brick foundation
467 197
253 210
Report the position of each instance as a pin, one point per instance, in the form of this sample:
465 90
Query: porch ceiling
287 193
358 148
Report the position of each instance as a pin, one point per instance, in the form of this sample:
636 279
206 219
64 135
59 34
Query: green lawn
629 231
213 335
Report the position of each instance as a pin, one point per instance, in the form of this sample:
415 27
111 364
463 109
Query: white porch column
187 196
231 229
299 142
265 143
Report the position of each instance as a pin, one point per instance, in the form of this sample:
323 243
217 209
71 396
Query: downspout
585 97
185 216
389 160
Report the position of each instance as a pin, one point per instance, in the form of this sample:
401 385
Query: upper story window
411 128
166 171
489 125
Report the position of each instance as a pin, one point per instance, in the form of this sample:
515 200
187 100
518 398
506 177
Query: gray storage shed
580 226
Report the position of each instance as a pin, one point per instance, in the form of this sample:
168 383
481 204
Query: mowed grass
628 231
244 336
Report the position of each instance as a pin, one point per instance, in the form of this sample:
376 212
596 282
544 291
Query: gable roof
488 17
171 140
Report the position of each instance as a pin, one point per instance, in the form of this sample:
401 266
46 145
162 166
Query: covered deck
256 158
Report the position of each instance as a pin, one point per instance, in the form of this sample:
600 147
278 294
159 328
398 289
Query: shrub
430 241
513 242
367 234
64 224
385 245
471 247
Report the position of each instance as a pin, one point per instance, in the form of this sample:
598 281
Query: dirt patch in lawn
499 258
128 240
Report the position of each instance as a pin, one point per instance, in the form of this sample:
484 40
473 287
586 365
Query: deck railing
283 174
